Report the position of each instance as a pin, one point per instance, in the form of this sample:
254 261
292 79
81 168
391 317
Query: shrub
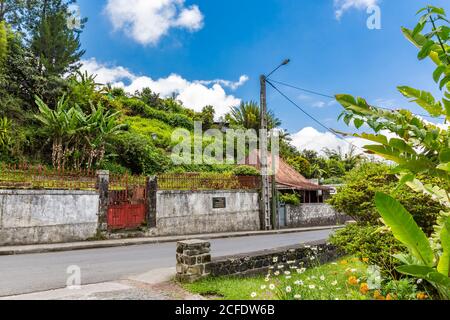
113 167
139 155
300 164
356 198
365 242
245 171
291 198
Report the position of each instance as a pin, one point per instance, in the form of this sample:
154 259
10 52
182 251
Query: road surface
39 272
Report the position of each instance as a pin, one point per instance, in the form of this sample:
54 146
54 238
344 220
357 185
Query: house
290 180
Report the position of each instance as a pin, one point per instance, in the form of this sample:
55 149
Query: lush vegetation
52 114
346 279
357 196
421 151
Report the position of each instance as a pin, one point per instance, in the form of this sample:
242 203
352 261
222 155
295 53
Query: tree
206 117
56 47
248 116
11 11
300 164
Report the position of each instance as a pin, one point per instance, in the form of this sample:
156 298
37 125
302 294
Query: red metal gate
127 208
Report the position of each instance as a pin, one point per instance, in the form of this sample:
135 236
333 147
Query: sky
213 52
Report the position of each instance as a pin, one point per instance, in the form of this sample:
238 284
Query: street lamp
263 151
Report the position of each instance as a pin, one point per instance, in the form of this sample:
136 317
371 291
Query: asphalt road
39 272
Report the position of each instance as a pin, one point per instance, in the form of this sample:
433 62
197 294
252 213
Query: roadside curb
48 248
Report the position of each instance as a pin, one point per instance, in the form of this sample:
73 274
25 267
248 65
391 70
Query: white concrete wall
47 216
312 215
190 212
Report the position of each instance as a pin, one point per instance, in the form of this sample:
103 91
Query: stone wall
47 216
192 212
313 215
192 264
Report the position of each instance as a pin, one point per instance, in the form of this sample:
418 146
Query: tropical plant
77 137
248 116
421 261
419 148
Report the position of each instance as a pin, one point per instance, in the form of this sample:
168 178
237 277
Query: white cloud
194 94
147 21
319 104
312 139
226 83
341 6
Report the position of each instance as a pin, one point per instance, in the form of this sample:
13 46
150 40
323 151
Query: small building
290 180
312 211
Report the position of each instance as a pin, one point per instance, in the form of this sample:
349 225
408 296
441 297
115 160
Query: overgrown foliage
356 197
420 149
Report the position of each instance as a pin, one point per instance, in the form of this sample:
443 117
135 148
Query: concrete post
193 260
152 189
103 190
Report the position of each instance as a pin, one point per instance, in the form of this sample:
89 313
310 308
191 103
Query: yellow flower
422 296
364 288
344 262
353 281
365 260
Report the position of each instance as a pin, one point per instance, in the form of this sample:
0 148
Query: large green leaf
404 228
444 261
359 106
419 41
423 99
416 271
386 152
441 282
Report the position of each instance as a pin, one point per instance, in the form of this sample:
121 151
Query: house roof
286 176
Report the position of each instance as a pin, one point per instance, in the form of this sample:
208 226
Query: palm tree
248 116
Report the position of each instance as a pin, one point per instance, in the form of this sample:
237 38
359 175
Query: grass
326 282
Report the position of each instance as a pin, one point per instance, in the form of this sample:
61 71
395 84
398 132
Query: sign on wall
219 203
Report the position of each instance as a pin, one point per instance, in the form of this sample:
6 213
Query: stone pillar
103 190
193 260
152 189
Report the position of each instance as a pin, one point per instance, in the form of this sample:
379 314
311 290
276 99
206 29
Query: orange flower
378 296
390 297
353 281
364 288
422 296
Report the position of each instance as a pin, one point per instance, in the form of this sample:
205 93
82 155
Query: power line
312 117
334 98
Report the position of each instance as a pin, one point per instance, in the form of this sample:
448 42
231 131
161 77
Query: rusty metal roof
286 176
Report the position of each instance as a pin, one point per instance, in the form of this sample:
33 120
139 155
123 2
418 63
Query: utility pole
267 189
263 146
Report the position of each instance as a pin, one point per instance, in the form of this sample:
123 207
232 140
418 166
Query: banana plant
421 261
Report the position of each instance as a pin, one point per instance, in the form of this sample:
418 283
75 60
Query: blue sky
143 42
